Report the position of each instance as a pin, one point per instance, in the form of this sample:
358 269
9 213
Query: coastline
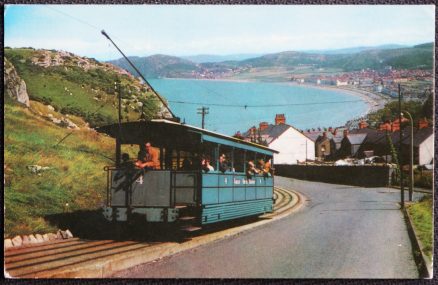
375 102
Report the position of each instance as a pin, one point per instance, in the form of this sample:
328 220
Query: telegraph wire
263 105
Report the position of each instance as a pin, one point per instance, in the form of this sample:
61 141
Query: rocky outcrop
15 87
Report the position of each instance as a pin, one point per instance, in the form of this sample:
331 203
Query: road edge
425 267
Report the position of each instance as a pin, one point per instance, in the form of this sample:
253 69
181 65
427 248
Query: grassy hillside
81 86
159 65
50 169
75 175
273 65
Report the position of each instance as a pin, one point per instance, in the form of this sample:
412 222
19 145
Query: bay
236 106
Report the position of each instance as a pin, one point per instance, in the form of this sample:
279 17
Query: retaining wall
365 176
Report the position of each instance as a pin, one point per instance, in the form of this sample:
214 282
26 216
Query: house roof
373 136
422 134
356 139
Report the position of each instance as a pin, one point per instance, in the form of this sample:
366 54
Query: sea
236 106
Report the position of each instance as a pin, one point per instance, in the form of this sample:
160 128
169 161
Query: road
340 232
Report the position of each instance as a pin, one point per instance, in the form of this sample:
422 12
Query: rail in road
77 257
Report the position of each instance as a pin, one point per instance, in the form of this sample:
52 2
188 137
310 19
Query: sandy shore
374 101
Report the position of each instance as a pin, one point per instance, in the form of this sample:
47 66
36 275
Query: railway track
90 258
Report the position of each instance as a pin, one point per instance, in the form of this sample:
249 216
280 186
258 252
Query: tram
177 191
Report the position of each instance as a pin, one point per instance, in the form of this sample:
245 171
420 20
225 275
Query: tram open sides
181 187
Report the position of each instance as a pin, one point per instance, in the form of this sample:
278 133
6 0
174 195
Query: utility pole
402 192
117 89
411 158
203 111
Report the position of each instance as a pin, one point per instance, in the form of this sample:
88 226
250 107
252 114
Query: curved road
341 232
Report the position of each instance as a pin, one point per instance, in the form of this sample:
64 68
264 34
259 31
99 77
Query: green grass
75 176
53 85
422 216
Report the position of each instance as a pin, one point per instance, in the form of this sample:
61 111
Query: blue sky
188 30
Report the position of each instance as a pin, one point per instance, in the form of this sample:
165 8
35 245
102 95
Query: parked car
374 159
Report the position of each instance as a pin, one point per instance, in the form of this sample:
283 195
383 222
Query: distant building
293 145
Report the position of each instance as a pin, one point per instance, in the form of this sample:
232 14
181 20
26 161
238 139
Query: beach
374 101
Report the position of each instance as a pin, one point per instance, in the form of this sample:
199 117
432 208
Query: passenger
267 170
126 162
223 165
187 164
251 169
196 162
260 165
206 166
148 158
126 172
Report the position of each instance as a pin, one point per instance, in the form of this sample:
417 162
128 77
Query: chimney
330 129
324 134
423 123
385 127
363 125
335 132
395 125
280 119
263 126
346 133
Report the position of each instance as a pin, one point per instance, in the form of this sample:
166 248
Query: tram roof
159 131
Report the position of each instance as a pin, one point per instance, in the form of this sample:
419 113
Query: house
377 143
327 142
292 144
351 144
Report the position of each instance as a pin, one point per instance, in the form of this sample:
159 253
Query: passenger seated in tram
187 164
251 169
148 157
206 166
223 165
267 169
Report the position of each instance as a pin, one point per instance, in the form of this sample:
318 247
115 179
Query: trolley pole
203 111
402 192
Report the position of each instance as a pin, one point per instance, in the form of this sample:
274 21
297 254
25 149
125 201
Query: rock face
15 87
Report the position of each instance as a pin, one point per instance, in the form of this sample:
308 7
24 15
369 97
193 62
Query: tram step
186 218
190 229
180 206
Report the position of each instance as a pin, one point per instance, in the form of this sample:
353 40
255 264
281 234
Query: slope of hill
159 66
82 86
202 58
417 57
53 160
43 177
355 49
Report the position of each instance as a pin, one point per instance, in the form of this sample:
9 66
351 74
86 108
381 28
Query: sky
181 30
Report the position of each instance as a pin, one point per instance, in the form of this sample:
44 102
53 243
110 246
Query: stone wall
365 176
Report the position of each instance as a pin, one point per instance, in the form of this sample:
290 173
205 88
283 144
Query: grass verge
422 217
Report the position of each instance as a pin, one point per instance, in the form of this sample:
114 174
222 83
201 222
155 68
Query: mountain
82 86
356 49
279 65
203 58
159 65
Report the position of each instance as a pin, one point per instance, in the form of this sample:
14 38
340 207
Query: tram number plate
237 181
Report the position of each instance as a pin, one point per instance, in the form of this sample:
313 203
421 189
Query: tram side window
239 160
226 162
209 152
260 161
